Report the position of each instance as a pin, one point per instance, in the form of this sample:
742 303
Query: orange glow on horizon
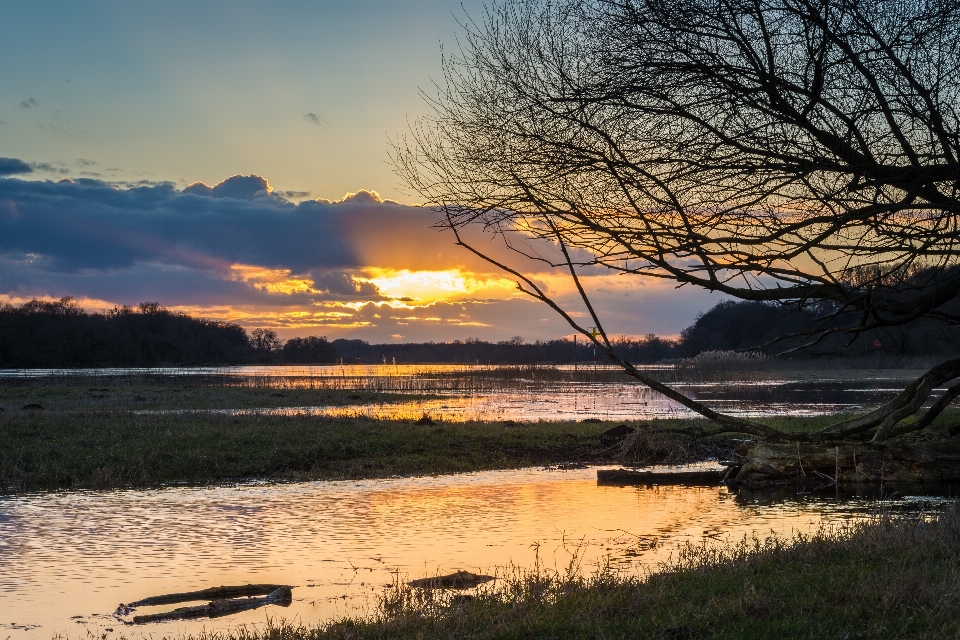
431 286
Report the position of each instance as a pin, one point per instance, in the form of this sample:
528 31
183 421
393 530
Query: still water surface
68 559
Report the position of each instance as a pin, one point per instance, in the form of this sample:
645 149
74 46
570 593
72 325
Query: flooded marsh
460 392
70 556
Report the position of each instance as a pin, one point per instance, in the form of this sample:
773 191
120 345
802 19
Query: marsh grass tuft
648 445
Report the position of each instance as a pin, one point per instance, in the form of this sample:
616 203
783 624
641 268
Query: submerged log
458 580
282 596
630 476
848 463
213 593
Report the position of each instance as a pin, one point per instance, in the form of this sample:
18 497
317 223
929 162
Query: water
625 401
481 392
68 559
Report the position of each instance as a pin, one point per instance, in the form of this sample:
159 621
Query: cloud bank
240 251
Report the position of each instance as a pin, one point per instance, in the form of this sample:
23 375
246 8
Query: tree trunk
848 463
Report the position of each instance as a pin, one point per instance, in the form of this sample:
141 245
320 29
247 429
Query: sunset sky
230 159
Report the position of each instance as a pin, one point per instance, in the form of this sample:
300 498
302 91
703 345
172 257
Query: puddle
70 558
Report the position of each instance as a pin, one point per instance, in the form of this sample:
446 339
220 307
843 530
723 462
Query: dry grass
648 445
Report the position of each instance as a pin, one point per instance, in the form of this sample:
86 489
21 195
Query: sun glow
430 286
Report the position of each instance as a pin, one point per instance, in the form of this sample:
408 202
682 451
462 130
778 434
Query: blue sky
199 91
135 101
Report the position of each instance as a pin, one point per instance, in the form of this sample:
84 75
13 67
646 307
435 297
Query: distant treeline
744 325
514 351
728 326
61 334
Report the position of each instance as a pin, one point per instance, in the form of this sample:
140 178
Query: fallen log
631 476
213 593
458 580
847 463
282 596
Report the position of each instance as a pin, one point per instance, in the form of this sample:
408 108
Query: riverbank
883 578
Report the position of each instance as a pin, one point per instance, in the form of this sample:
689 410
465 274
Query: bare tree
265 342
800 152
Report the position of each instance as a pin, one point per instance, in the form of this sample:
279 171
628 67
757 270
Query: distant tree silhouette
309 350
265 344
60 334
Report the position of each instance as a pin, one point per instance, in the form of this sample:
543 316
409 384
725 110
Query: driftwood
630 476
847 463
225 600
213 593
458 580
282 597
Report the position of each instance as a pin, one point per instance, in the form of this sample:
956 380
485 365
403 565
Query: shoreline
888 576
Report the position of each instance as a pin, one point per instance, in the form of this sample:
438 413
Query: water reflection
609 401
491 392
70 558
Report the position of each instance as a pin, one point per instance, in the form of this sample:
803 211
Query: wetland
128 484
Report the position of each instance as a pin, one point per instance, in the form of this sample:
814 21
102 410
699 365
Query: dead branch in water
213 593
458 580
278 594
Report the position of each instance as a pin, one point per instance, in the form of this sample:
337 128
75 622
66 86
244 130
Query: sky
231 160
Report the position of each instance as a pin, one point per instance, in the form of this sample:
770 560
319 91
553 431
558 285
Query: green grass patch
153 397
106 436
50 450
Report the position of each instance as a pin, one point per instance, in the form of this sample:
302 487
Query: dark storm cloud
89 224
12 166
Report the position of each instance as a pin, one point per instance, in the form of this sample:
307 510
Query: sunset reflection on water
70 558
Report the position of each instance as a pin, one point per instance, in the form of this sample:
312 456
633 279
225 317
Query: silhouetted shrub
309 350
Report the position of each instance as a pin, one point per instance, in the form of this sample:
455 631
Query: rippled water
68 559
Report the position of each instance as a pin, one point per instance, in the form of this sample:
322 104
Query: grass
78 444
102 449
889 577
141 395
99 432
